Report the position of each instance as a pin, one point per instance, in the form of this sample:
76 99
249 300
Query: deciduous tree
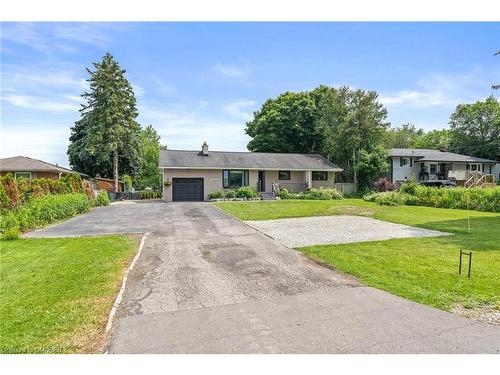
475 129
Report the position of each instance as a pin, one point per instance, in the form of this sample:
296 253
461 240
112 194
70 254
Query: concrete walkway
207 283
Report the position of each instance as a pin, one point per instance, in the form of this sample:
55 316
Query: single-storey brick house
429 164
23 166
192 175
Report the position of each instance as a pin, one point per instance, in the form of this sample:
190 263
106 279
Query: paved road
207 283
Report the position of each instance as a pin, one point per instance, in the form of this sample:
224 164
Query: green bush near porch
313 194
245 192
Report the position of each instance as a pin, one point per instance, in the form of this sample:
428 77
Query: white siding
405 172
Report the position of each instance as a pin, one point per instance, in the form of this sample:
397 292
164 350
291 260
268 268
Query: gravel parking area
307 231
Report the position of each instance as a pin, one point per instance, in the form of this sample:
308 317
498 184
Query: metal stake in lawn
469 254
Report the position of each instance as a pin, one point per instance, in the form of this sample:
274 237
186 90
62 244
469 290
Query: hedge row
242 192
314 194
41 211
481 199
17 192
149 194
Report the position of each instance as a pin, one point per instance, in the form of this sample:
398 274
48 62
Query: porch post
308 179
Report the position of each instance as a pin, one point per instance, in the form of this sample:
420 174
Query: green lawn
421 269
56 294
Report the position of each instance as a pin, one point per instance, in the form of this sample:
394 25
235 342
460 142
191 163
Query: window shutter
411 162
400 162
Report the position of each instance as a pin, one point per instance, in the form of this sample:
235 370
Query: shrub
24 188
324 194
10 188
391 198
50 208
229 194
149 194
409 187
88 188
9 226
246 192
383 184
313 194
127 181
4 198
102 199
481 199
74 182
285 194
216 195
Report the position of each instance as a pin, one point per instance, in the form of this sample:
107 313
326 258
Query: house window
433 169
404 162
233 179
320 176
23 175
475 167
283 175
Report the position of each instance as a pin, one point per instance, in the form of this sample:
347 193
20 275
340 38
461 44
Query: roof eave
258 168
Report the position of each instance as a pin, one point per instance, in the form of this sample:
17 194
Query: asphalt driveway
208 283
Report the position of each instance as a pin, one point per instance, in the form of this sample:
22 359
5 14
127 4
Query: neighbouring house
429 164
108 184
23 166
192 175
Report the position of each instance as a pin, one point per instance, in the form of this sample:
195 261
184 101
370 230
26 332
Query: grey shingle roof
425 154
244 160
26 164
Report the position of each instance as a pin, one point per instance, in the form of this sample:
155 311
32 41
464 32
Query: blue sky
201 81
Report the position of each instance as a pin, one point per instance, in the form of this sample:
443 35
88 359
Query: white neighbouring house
430 164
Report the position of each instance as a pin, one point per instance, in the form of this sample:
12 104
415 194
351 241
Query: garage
187 189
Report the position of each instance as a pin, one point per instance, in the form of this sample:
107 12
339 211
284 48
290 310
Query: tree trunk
115 170
354 164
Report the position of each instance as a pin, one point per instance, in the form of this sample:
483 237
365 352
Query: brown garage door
187 189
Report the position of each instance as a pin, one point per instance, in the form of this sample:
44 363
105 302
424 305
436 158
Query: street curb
124 283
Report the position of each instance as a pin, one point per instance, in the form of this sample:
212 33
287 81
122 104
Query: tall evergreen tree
107 133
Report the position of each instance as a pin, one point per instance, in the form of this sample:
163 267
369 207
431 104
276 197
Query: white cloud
162 87
138 90
236 109
418 98
14 80
36 103
232 70
181 129
438 91
47 37
40 142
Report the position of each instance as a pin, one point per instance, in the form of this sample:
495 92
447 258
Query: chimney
204 149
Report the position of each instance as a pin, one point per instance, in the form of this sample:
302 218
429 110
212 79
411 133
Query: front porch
271 182
465 174
296 181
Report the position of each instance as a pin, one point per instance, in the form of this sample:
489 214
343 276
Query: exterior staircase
478 179
268 196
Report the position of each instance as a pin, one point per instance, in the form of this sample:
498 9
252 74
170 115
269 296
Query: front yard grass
424 270
56 294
